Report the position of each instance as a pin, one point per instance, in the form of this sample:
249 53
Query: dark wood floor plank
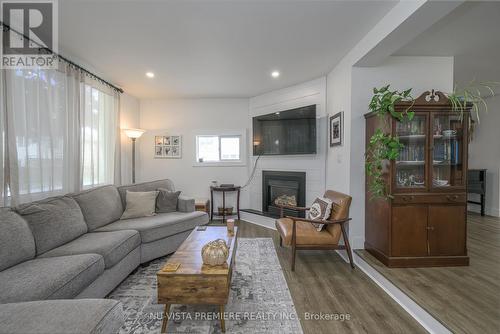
324 283
465 299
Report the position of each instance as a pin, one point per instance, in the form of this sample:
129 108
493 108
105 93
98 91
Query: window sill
220 164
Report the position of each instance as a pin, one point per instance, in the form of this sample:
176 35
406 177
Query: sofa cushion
112 246
16 240
83 316
166 201
306 233
140 204
53 221
100 206
145 186
49 278
160 226
185 204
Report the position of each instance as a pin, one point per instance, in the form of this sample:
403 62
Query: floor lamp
133 134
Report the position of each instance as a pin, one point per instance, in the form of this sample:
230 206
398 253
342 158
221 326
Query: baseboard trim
489 211
357 242
258 220
431 324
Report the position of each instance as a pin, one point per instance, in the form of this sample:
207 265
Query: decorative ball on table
215 253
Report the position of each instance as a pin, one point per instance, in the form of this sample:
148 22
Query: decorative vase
215 253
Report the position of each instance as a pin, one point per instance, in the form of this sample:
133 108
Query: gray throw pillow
166 200
140 204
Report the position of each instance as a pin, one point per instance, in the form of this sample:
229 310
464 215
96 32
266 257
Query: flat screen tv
286 132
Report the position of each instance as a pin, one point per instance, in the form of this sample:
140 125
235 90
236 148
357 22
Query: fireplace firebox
283 188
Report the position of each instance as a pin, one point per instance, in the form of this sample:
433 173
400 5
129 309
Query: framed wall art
336 129
168 147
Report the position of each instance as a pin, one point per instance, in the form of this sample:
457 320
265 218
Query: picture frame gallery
168 147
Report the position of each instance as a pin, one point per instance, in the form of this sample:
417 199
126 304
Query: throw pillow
139 204
166 200
320 210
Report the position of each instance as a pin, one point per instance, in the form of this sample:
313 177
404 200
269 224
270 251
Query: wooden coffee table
194 282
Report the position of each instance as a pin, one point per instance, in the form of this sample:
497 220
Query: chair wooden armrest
336 221
299 208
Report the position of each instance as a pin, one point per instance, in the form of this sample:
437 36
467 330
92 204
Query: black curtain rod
6 27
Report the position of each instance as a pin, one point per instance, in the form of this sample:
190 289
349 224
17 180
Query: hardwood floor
464 299
323 283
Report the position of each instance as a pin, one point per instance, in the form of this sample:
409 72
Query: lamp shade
134 133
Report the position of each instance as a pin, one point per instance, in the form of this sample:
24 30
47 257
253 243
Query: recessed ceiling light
150 74
275 74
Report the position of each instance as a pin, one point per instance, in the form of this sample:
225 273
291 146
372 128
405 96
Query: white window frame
222 162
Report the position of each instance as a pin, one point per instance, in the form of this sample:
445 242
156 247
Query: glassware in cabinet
410 165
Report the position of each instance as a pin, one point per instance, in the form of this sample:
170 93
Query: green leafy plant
383 146
472 95
384 100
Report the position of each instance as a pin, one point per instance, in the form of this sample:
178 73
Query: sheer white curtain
3 171
45 121
100 134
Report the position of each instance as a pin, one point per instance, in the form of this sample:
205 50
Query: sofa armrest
185 204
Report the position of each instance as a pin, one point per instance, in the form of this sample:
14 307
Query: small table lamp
133 134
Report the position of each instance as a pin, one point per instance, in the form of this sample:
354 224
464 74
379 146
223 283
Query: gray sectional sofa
60 255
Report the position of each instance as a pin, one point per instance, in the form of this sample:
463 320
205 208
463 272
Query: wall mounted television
288 132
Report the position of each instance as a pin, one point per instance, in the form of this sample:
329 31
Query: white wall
484 152
188 117
338 157
129 118
308 93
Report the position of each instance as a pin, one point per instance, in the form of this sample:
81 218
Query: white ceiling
209 48
471 33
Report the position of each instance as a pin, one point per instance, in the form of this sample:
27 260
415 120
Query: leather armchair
300 233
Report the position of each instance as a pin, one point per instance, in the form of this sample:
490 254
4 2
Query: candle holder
230 226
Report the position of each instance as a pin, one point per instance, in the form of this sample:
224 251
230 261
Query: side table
224 190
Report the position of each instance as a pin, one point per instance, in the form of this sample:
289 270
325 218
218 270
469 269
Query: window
98 137
62 133
219 149
208 149
229 148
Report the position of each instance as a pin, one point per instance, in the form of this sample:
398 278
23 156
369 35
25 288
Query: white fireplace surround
314 165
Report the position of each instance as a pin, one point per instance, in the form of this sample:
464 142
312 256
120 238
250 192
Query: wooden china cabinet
424 223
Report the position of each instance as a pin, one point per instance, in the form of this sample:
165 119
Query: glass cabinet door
447 151
410 165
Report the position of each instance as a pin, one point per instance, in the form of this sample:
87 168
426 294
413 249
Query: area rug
259 300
